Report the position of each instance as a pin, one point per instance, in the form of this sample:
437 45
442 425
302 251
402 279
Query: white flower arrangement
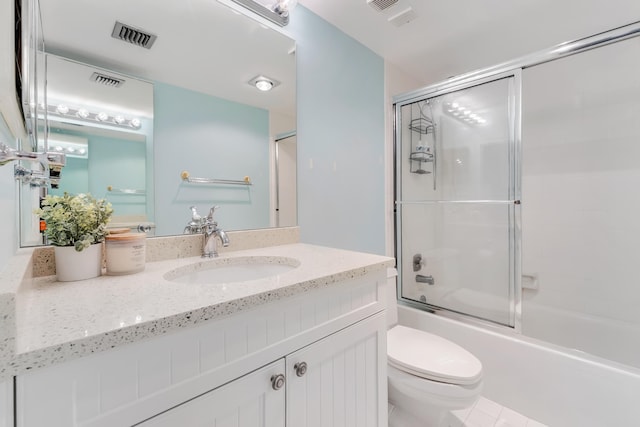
78 221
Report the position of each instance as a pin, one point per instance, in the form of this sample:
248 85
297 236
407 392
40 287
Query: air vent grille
133 35
105 80
381 4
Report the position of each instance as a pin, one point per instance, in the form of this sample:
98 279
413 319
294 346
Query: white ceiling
448 37
451 37
202 45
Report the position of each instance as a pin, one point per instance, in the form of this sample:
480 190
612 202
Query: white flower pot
72 265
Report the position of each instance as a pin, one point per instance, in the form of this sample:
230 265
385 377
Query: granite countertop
59 321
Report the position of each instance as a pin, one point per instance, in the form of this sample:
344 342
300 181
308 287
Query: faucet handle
211 211
195 217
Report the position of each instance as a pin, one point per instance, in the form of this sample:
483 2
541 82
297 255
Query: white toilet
428 376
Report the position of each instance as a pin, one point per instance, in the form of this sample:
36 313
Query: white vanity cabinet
333 382
340 380
328 345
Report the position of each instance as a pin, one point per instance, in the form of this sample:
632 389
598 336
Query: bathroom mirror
206 117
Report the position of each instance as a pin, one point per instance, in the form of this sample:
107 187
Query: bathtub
540 380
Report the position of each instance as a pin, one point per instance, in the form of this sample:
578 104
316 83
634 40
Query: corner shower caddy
421 153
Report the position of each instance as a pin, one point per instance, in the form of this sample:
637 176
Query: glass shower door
457 200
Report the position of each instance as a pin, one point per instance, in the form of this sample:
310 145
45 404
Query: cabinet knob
300 368
277 381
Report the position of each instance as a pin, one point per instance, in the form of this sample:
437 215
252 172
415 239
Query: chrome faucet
211 231
209 228
429 280
195 225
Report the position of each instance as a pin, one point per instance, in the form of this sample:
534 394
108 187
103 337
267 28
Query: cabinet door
249 401
343 382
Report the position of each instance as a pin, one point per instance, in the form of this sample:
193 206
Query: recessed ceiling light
263 83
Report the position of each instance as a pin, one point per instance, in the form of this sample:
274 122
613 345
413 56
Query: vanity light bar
62 110
279 14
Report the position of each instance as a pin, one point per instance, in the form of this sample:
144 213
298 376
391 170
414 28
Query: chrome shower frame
484 75
514 193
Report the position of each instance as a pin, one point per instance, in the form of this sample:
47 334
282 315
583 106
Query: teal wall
341 137
221 140
74 178
119 163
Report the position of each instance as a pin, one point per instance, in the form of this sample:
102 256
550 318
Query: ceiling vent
404 17
381 4
105 80
133 35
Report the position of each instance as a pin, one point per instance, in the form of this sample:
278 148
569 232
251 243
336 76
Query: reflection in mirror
105 131
103 122
206 117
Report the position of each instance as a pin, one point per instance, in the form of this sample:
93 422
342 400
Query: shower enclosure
458 198
517 197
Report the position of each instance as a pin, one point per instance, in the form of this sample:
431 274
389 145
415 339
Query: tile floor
487 413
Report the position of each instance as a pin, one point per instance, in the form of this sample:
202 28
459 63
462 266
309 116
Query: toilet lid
432 357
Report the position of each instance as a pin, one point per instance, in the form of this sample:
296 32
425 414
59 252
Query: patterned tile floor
487 413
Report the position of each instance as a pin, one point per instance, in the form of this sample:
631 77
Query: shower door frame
516 65
514 196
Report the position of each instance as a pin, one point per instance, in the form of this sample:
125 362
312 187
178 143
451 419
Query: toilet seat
431 357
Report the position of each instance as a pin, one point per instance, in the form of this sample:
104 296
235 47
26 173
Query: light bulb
62 109
135 123
82 113
264 85
118 119
455 105
102 116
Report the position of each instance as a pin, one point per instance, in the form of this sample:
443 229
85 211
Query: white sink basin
230 270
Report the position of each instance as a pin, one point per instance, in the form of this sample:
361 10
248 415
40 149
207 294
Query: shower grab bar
131 191
193 180
429 202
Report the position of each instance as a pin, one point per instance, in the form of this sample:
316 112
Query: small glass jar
125 253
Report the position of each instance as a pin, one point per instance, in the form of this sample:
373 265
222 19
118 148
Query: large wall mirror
176 95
